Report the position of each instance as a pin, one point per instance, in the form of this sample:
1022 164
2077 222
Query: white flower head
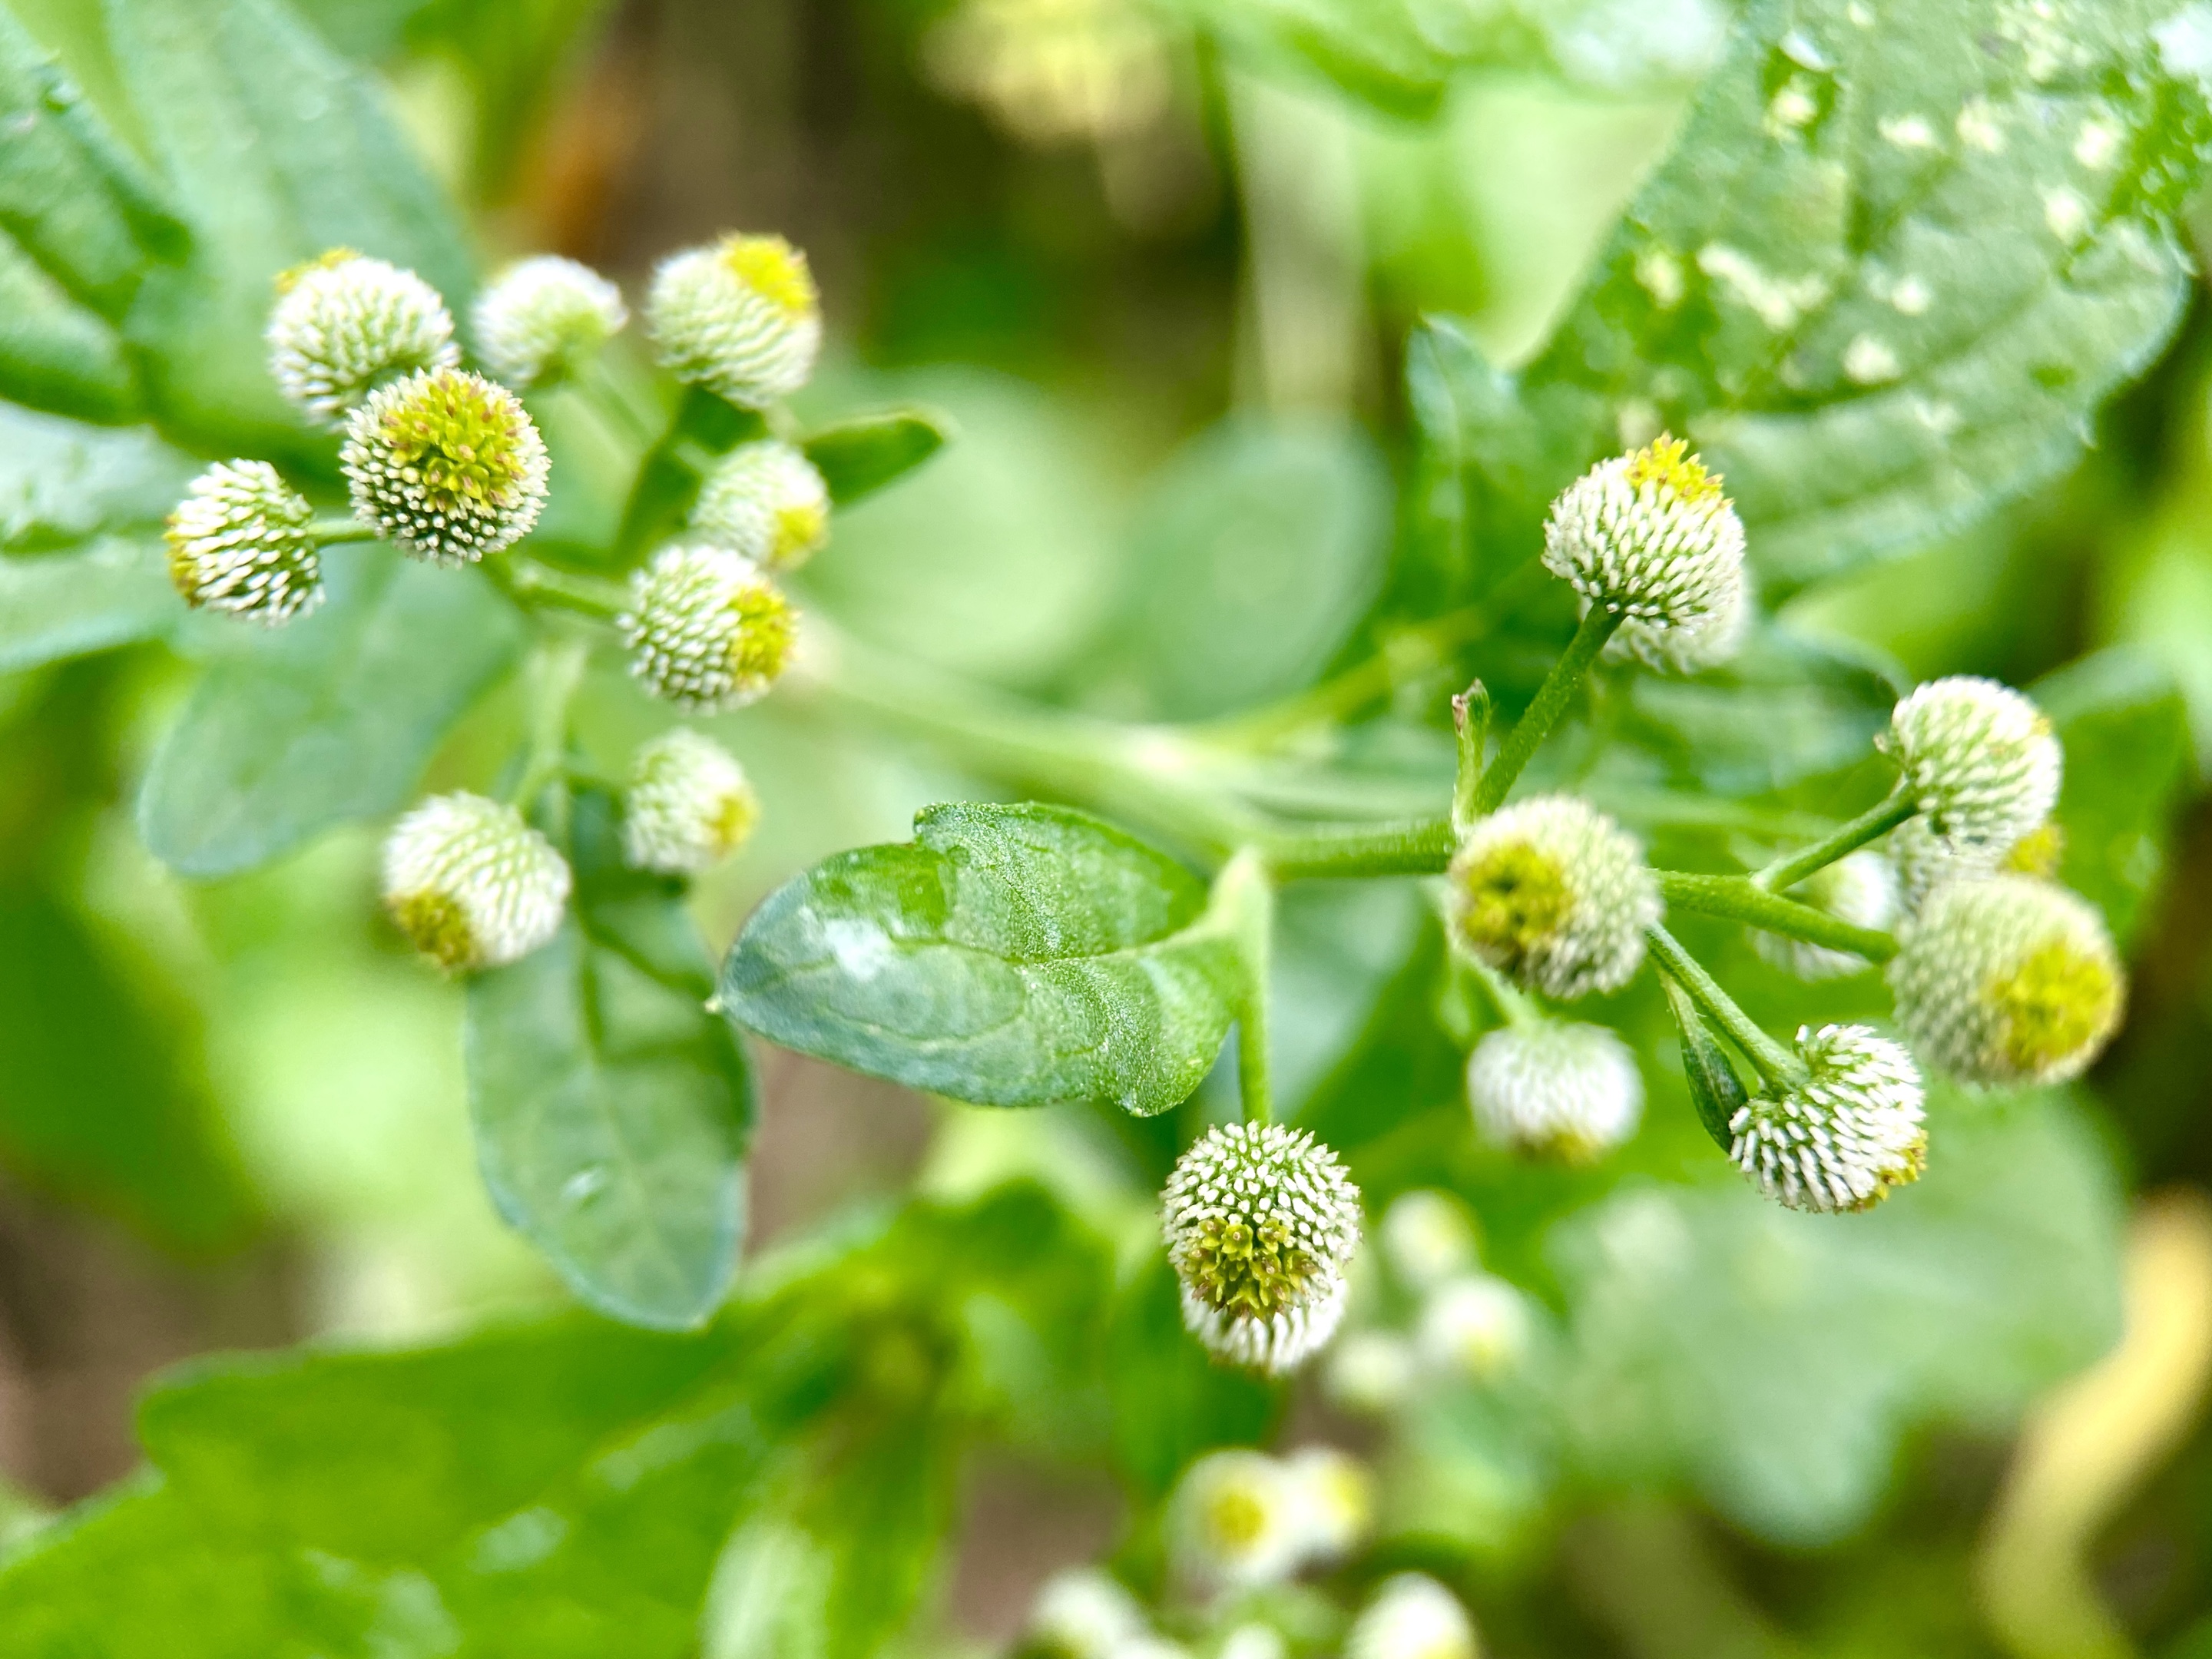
1571 1092
1084 1614
766 502
2007 980
1845 1136
1861 889
1411 1617
541 318
1554 894
1924 862
1372 1373
690 804
447 465
742 319
1651 535
1335 1497
1233 1519
1427 1238
1260 1223
1477 1327
1979 759
239 542
471 885
1692 646
707 629
345 324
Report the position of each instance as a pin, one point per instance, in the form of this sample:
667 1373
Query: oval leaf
859 457
1715 1090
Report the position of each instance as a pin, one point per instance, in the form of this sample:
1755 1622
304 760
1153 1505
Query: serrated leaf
329 719
1010 956
857 457
1899 254
1716 1091
613 1111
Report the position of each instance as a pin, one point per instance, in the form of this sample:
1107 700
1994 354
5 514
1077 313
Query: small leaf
1011 956
612 1110
1715 1090
331 719
857 457
669 478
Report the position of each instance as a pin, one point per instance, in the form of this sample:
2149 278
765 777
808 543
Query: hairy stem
1785 873
1551 699
1739 899
557 669
1776 1063
332 531
1244 900
540 587
1417 847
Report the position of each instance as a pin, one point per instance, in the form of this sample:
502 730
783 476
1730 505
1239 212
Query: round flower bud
540 319
239 543
447 465
1846 1134
1979 760
1569 1091
1411 1617
1370 1373
1692 647
1861 889
1651 535
1260 1223
1335 1497
707 629
471 884
1476 1327
2007 980
690 804
344 323
741 317
1084 1614
1427 1238
1233 1519
767 503
1554 894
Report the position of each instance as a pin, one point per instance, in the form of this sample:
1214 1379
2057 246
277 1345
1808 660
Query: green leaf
1901 252
612 1110
1010 956
668 479
332 719
1715 1090
857 457
54 353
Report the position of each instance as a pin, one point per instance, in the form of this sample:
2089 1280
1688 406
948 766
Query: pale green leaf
867 452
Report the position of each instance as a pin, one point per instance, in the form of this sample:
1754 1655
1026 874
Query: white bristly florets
1692 648
1846 1134
1084 1614
1476 1327
1372 1373
239 543
1427 1238
741 317
707 629
766 502
345 324
1260 1223
1554 894
1861 889
540 319
2007 980
1568 1091
1233 1519
690 804
1411 1617
1979 760
1335 1497
1650 536
447 465
471 885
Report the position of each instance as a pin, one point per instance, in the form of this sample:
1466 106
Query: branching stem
1785 873
1776 1063
1551 699
1739 898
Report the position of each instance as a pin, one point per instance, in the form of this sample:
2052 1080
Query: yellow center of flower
1239 1267
773 268
1236 1518
735 814
799 528
1512 899
1666 463
436 926
457 436
766 625
330 260
2039 852
2054 1004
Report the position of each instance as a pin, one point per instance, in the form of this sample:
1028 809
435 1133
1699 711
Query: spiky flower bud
1372 1373
1084 1614
1846 1135
1651 535
690 804
1692 646
1427 1238
239 543
767 503
1411 1617
1979 758
1567 1091
447 465
345 322
2007 980
1554 894
471 885
1260 1223
707 629
1861 889
1477 1327
741 317
540 319
1233 1519
1335 1497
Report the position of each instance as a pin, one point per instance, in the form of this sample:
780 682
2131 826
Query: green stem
540 587
1245 901
556 671
1515 1006
1417 846
596 383
1785 873
1739 899
1776 1063
333 531
1552 700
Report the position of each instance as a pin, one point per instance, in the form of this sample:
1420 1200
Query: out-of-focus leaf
612 1110
329 719
1171 1401
1010 956
859 457
1899 254
54 353
1716 1091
